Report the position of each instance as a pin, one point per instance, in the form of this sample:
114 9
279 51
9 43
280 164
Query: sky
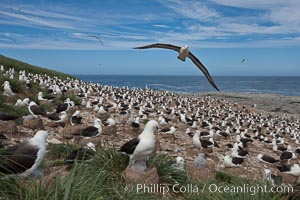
59 35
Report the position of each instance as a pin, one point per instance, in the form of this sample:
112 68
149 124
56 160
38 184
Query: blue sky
55 34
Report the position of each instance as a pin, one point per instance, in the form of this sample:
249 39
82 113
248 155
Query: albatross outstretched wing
191 56
159 45
197 62
98 38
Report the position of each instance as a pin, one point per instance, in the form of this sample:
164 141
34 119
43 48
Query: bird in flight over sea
183 53
243 60
11 39
98 38
15 9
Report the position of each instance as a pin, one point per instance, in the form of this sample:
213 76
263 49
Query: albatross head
41 136
91 146
6 83
98 122
77 113
32 103
152 125
180 160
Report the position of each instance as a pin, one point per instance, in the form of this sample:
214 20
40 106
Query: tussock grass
102 178
167 173
99 179
60 151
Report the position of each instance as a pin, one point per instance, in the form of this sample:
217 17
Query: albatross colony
242 138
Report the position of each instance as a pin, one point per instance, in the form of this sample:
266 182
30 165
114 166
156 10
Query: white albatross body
24 158
141 147
38 140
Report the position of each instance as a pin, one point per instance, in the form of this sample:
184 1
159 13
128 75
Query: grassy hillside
18 87
19 65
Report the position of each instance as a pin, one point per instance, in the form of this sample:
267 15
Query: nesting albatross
24 158
35 110
142 146
183 53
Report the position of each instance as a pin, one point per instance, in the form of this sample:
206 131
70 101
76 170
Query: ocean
288 86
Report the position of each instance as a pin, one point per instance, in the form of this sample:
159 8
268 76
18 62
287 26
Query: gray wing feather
197 62
159 45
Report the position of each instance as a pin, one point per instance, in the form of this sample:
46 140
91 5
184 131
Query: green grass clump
13 110
102 178
111 160
167 173
99 179
60 151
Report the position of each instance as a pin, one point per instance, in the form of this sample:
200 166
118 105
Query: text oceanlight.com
212 188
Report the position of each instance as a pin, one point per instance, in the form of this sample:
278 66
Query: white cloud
288 16
252 4
200 23
284 13
191 9
161 26
37 20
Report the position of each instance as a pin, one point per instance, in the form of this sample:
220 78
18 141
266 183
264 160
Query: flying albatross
97 37
183 53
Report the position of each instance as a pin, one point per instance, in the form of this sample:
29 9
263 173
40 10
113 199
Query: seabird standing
142 146
183 53
25 157
35 110
28 85
7 89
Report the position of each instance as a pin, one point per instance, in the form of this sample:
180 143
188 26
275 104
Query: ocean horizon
282 85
